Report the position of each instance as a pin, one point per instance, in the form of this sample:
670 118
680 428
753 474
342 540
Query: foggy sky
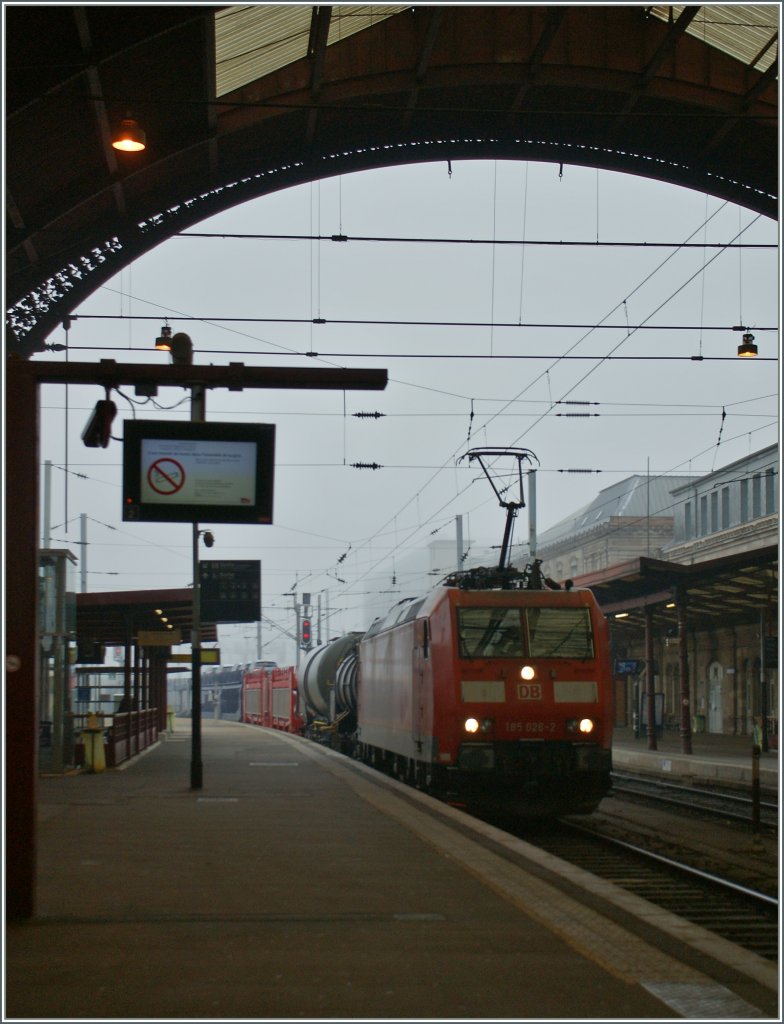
572 312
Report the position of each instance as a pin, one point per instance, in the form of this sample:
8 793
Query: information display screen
198 472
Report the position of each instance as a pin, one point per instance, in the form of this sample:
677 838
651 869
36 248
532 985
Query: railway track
710 802
741 915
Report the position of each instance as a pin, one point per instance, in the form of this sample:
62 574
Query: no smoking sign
166 476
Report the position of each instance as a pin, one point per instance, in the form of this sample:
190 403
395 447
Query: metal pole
763 684
196 763
755 779
650 679
648 510
83 555
683 661
197 416
47 503
459 525
59 682
298 646
531 515
318 619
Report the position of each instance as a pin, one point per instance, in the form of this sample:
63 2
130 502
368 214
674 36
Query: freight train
222 689
493 691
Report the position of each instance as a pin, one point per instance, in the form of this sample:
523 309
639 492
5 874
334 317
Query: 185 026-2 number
531 728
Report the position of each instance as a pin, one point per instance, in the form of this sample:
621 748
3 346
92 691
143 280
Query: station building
686 569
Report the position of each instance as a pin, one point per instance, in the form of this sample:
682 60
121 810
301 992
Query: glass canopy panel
252 41
748 32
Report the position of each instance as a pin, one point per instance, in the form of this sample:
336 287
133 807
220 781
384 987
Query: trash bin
698 723
170 718
92 741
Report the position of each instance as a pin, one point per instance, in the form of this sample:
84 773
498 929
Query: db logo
529 691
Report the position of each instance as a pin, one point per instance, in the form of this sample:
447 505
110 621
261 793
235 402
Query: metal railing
126 733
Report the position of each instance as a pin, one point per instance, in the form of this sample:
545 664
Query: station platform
715 758
298 884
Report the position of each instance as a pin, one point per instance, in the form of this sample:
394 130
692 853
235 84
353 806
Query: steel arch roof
611 86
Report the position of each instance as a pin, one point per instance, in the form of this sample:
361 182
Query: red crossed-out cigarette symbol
166 476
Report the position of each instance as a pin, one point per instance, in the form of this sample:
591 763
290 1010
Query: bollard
170 717
92 738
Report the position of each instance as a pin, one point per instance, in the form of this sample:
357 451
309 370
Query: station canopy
735 589
116 619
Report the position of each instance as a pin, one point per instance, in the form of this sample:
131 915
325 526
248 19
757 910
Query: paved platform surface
299 885
714 757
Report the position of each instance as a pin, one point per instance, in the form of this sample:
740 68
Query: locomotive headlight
527 672
581 725
471 725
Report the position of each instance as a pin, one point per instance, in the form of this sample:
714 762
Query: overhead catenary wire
475 356
558 359
550 356
525 242
631 330
322 321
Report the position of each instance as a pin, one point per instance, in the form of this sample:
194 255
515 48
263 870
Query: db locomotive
494 691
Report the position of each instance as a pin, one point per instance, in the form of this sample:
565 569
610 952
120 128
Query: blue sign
628 668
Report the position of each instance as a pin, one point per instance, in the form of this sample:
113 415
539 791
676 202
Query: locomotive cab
495 698
531 719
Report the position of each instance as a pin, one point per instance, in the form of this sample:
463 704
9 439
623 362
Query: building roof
741 465
748 32
253 40
636 497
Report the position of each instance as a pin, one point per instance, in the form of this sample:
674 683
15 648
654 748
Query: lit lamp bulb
748 349
130 138
163 341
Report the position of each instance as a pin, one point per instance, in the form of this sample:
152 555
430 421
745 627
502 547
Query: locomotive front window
489 632
559 633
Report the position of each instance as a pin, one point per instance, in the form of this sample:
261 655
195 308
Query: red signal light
306 631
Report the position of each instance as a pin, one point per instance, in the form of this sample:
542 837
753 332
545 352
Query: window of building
725 508
714 513
688 527
770 492
703 515
744 501
756 496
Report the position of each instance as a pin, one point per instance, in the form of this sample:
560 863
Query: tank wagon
328 691
493 691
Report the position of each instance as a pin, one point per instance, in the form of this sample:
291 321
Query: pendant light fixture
130 137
